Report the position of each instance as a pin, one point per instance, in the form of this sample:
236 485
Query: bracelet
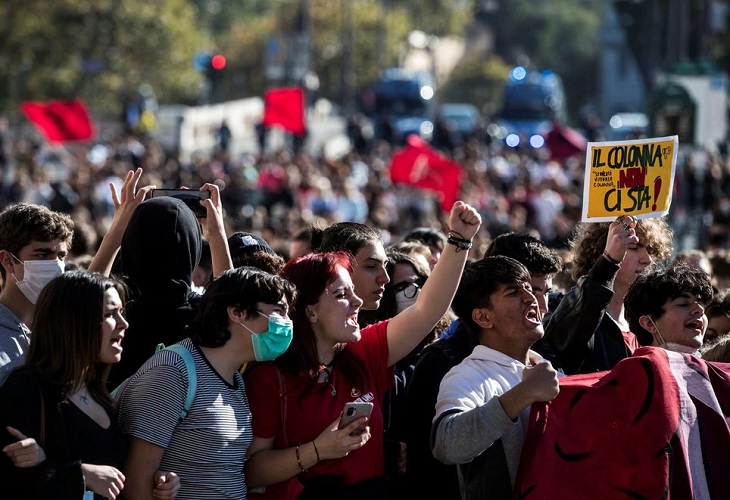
299 460
457 237
459 243
611 259
316 451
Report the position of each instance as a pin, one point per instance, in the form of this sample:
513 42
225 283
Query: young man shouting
483 403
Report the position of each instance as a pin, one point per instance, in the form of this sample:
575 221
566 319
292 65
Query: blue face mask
274 342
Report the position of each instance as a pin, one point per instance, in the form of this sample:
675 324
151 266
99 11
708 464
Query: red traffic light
218 62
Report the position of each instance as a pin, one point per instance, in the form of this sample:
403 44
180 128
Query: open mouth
533 314
352 321
695 324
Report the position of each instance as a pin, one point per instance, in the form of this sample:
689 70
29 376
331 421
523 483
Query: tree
561 35
478 81
100 50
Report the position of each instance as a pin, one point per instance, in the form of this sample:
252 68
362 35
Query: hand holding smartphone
191 198
352 412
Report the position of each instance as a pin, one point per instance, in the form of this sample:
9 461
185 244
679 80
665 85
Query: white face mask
403 301
36 275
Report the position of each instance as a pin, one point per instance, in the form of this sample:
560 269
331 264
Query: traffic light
218 62
216 65
214 68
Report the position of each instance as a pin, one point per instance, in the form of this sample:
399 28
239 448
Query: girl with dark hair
57 403
242 317
297 401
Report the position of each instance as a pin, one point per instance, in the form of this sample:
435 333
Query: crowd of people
149 353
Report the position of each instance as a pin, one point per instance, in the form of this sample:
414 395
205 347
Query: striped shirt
208 448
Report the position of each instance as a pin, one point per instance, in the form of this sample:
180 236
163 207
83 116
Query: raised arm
124 205
214 230
409 327
570 327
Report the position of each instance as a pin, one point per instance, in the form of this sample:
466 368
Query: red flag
420 165
60 121
285 107
564 142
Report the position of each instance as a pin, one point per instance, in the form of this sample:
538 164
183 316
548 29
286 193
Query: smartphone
191 198
353 411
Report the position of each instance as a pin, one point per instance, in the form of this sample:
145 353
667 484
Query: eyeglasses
410 290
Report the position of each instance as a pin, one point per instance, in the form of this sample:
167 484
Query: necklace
325 377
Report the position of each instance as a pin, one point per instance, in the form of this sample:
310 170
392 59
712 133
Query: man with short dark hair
665 307
34 242
483 403
438 358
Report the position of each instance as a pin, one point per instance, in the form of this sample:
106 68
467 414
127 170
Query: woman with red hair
297 400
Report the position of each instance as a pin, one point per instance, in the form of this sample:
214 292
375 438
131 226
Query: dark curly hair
657 285
589 242
242 288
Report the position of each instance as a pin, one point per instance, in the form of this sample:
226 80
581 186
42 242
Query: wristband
458 240
611 259
316 451
459 243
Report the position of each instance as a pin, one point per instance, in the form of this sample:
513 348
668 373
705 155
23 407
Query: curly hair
657 285
589 241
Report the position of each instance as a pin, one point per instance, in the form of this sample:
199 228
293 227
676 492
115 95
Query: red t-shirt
307 417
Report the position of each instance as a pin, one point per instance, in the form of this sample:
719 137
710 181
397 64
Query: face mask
274 342
37 275
403 301
673 346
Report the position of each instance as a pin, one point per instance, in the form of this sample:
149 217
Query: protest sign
629 178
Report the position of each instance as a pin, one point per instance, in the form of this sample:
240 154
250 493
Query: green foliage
477 81
43 44
46 48
559 35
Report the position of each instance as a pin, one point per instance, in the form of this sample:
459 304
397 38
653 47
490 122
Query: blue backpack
181 351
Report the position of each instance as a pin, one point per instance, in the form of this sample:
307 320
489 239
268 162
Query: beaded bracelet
299 460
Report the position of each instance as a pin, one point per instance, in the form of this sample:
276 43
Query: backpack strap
190 369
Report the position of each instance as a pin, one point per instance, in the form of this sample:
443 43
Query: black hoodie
160 249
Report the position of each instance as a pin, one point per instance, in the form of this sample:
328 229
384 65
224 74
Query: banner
60 121
629 178
285 107
419 165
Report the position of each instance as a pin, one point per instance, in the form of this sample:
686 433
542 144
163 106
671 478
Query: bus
531 101
402 103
